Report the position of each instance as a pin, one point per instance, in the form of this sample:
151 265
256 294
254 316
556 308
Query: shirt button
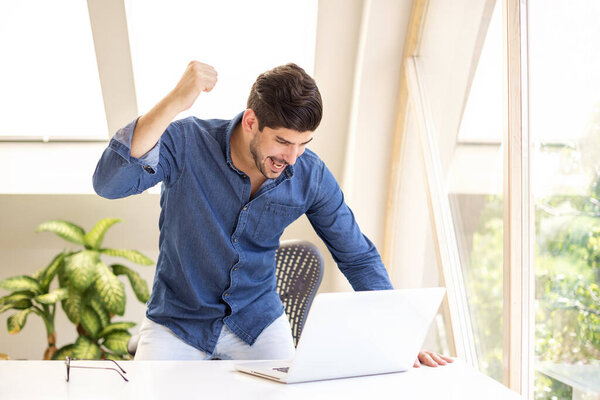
225 294
234 240
235 269
245 208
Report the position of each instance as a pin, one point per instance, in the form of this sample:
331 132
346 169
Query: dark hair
286 97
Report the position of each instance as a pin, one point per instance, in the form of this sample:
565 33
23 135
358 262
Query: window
565 127
550 78
240 39
49 85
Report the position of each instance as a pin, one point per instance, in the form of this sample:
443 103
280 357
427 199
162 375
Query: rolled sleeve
121 143
118 174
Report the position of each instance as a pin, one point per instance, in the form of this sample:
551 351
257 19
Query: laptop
356 334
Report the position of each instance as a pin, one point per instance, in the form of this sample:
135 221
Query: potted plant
89 291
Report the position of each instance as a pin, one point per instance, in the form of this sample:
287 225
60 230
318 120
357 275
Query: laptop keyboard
282 369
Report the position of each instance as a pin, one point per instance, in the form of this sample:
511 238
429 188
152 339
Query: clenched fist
197 78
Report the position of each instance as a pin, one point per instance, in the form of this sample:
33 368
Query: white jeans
157 342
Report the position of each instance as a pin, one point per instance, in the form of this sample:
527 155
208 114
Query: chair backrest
299 270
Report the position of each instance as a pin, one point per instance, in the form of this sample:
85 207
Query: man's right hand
198 77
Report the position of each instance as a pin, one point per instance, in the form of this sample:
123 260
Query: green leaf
131 255
45 275
53 297
138 284
64 229
90 321
110 290
97 306
95 236
39 274
63 281
73 305
63 352
17 321
85 348
80 269
51 271
20 283
117 341
116 326
17 305
14 297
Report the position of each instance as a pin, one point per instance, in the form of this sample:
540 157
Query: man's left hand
431 359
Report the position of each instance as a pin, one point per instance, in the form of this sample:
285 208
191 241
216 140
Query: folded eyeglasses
68 361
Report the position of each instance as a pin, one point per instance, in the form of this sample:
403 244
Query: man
229 190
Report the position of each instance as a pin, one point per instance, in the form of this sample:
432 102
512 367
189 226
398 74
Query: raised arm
150 149
197 78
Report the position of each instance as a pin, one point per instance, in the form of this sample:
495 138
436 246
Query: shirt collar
232 124
287 173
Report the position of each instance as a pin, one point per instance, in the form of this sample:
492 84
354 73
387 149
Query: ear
249 121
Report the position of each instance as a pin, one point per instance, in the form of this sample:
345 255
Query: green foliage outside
88 290
567 292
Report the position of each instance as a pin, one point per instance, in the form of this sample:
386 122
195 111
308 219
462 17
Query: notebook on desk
355 334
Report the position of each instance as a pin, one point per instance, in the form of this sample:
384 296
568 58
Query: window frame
518 232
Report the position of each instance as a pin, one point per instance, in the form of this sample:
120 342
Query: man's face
274 149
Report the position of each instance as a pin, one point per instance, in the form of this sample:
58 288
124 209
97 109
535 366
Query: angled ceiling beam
113 54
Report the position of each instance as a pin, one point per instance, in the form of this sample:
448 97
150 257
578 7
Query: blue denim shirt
217 245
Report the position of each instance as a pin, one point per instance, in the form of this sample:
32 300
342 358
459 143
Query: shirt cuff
121 143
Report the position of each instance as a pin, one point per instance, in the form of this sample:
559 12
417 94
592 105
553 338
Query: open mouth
276 166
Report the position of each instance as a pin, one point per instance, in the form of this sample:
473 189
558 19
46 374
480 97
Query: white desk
174 380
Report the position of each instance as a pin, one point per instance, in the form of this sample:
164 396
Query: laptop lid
363 333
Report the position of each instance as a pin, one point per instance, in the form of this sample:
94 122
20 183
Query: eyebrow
288 142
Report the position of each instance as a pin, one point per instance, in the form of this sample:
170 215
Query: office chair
299 271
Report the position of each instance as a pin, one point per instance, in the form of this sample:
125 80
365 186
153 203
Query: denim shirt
216 263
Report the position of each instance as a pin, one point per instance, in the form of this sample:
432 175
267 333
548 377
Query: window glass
415 263
564 105
475 193
239 38
49 84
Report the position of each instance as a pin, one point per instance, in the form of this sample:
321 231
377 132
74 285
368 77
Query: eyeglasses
69 366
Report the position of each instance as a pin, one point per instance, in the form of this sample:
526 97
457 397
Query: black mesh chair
299 270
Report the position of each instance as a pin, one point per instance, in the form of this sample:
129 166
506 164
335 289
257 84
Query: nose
291 155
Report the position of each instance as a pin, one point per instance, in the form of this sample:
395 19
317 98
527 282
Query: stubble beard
257 156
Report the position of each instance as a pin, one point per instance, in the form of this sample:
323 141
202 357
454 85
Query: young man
229 190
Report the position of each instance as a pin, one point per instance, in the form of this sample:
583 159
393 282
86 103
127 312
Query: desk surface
174 380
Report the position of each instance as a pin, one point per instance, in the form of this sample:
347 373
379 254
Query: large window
508 96
49 85
239 38
475 192
62 80
565 127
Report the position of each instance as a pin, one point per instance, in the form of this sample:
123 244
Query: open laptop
356 333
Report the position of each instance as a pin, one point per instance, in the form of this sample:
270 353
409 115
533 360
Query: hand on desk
431 359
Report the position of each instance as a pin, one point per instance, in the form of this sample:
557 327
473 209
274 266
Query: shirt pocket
274 219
